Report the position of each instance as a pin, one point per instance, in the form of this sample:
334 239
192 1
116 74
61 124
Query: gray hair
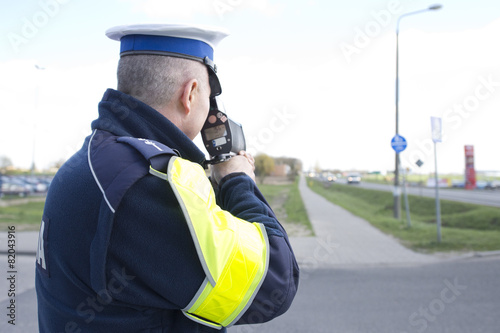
154 79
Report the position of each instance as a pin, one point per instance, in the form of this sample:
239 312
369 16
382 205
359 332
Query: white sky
312 79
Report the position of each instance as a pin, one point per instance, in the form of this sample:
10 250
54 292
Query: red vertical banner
470 172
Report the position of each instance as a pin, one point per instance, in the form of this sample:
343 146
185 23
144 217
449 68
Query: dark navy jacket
115 253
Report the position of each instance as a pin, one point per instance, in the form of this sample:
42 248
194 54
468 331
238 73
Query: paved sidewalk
345 239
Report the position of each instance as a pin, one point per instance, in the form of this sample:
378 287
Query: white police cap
176 40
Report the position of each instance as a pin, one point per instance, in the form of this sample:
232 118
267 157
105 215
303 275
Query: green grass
465 227
288 207
26 215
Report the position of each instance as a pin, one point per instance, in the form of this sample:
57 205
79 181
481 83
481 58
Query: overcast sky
312 79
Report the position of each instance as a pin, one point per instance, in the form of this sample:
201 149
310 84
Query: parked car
493 185
12 186
24 185
353 178
36 184
481 184
457 183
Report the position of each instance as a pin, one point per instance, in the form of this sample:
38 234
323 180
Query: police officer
133 236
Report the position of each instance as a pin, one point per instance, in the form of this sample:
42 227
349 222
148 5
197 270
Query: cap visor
214 82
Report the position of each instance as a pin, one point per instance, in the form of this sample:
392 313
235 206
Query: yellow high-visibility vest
233 252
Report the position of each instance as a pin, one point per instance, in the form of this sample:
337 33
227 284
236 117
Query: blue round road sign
398 143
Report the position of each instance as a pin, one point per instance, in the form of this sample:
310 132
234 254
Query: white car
354 178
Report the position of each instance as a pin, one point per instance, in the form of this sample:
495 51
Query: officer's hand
243 162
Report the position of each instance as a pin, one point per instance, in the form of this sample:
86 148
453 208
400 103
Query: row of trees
8 168
265 165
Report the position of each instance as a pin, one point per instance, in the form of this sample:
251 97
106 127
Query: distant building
281 170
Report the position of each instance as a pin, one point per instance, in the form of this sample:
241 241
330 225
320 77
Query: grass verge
286 202
25 216
465 227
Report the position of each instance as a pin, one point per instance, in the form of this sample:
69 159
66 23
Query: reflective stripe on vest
233 252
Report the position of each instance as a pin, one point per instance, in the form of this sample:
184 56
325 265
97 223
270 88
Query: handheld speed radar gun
222 137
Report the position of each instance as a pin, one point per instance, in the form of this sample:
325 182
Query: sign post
398 143
437 137
407 202
419 163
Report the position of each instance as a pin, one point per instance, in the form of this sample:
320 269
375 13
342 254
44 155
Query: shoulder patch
155 152
148 148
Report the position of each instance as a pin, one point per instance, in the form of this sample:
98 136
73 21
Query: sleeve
238 194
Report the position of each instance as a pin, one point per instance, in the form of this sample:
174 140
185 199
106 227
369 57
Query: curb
486 254
20 253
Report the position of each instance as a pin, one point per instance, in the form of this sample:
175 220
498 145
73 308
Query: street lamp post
397 196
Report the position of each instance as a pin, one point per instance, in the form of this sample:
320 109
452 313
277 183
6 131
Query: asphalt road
452 296
456 297
481 197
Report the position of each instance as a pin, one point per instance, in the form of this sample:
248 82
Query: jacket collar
124 115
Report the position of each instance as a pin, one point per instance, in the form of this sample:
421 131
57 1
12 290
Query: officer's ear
189 95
